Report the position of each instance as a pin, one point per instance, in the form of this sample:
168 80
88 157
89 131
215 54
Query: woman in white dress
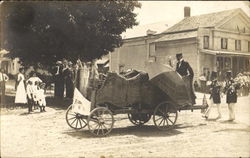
21 96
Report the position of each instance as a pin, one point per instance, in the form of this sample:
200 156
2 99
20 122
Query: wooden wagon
141 95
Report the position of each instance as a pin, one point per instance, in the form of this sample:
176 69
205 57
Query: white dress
41 97
21 96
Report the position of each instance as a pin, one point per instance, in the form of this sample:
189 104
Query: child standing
214 96
41 97
29 90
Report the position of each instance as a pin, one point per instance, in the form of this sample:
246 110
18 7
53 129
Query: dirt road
48 135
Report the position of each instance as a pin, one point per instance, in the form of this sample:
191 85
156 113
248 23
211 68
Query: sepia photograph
124 79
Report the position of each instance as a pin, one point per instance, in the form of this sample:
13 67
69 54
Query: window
237 45
223 43
206 42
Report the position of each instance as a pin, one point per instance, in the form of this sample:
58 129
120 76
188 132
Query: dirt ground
48 135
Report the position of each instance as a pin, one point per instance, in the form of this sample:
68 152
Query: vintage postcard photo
107 79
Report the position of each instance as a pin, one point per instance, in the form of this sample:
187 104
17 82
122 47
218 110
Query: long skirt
21 96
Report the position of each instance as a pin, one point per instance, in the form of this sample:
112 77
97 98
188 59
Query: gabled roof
205 20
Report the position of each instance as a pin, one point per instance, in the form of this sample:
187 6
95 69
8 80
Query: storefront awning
214 52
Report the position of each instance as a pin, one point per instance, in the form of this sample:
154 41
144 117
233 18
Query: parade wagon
158 94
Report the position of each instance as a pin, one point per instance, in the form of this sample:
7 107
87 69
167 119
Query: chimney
187 12
151 32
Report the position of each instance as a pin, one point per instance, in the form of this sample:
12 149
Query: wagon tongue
174 86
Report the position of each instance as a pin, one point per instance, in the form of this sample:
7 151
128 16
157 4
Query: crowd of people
229 87
217 89
30 91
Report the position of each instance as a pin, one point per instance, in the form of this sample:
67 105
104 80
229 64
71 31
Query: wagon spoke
71 118
80 123
76 122
164 122
105 127
83 121
161 121
159 118
102 130
72 114
93 129
170 120
167 122
73 122
98 130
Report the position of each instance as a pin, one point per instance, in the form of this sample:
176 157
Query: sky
172 11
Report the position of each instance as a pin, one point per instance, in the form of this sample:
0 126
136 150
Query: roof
176 36
205 20
141 30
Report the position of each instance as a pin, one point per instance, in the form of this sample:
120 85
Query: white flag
80 104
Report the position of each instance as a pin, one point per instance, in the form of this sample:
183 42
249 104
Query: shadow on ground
140 131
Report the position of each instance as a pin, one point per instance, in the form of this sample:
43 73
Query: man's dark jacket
184 69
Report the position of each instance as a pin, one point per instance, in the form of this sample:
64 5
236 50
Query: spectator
69 80
29 90
35 81
41 97
21 96
3 79
59 80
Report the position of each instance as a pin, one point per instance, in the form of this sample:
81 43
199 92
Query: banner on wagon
80 104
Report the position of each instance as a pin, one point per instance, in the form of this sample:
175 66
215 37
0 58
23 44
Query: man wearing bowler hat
185 70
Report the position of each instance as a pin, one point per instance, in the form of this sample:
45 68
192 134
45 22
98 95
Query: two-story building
211 42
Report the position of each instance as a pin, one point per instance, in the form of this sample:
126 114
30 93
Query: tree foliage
44 32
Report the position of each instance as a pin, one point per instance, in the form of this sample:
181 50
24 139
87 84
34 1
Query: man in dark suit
59 80
186 71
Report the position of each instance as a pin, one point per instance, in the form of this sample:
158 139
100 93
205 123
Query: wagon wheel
165 116
75 120
139 119
100 121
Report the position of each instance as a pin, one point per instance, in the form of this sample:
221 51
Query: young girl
214 96
41 97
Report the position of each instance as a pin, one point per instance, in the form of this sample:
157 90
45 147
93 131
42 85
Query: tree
40 33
